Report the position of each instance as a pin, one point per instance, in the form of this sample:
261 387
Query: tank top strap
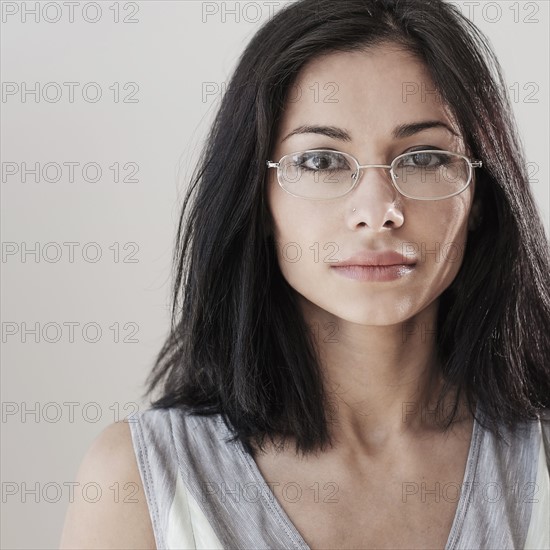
505 504
201 489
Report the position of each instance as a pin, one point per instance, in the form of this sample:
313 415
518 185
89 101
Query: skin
384 354
112 521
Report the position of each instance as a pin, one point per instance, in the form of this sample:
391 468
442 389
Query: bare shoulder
113 512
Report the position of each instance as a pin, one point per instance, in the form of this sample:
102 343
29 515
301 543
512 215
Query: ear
475 217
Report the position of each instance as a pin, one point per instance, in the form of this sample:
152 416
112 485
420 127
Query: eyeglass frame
358 173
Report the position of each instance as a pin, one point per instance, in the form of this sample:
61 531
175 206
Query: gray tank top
203 492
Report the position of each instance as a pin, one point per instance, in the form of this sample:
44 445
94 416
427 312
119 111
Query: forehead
378 88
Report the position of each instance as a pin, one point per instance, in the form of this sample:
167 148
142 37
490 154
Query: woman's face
366 97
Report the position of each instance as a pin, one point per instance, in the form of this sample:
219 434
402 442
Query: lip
373 266
374 273
368 258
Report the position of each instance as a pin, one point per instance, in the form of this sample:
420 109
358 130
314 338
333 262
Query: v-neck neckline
291 530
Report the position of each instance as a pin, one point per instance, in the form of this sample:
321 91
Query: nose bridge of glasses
374 165
361 167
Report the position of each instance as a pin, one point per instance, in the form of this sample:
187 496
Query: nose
375 199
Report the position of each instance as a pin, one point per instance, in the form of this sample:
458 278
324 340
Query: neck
382 381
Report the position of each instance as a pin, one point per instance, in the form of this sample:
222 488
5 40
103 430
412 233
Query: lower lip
378 273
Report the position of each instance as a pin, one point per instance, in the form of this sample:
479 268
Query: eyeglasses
321 174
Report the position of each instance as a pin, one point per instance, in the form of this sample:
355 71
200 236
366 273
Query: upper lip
383 257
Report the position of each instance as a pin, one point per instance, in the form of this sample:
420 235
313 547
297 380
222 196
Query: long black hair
238 345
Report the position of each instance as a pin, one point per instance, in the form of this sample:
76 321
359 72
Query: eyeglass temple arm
271 164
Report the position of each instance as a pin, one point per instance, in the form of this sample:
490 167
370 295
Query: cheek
302 242
443 232
290 214
303 234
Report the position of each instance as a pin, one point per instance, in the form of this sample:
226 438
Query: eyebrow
399 132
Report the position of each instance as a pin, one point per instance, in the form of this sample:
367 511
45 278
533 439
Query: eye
322 160
424 159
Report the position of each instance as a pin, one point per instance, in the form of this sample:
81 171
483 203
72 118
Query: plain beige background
178 53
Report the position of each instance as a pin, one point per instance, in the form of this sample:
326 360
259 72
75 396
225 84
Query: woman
359 350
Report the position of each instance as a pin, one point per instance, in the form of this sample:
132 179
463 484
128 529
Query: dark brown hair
238 345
